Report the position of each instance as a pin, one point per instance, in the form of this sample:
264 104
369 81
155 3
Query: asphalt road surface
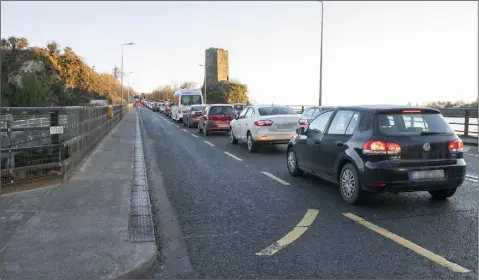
222 212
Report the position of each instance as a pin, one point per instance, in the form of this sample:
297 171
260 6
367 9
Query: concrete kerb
140 223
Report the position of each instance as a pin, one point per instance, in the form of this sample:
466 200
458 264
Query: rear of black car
413 150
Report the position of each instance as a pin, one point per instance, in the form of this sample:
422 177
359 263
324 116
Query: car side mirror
300 130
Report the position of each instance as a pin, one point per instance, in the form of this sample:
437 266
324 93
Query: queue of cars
363 149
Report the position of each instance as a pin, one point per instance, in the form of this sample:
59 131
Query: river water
472 128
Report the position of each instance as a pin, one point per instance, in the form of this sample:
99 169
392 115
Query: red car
216 117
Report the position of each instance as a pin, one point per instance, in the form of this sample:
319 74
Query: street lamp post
321 60
202 65
128 100
121 89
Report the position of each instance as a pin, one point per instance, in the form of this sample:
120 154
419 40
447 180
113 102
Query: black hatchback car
380 148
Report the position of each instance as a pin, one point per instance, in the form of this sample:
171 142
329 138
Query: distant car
238 108
265 124
380 148
193 115
312 112
216 118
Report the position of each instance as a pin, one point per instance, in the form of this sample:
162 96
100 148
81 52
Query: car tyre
350 185
233 139
442 194
188 124
251 144
292 163
199 129
184 123
206 132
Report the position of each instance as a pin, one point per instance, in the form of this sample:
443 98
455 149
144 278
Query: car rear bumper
382 176
273 137
215 126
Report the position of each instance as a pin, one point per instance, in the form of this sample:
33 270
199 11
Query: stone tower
216 65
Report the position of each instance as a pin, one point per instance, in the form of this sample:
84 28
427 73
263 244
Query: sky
373 52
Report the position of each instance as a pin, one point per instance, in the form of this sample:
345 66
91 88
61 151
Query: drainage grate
140 224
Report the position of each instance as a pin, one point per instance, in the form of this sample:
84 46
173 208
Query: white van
183 99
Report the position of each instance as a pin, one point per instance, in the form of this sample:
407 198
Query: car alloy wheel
348 183
292 164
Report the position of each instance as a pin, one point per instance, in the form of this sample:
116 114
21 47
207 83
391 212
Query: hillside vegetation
51 76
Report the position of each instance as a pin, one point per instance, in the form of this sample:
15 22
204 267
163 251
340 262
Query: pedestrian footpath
78 229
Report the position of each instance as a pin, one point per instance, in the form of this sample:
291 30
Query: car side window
319 124
243 113
250 113
340 122
353 124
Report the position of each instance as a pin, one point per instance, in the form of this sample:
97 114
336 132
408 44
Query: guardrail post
54 121
466 122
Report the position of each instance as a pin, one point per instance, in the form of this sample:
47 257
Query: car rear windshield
404 124
239 107
221 110
190 99
197 108
276 110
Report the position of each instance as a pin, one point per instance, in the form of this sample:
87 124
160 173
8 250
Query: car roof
268 105
379 108
211 105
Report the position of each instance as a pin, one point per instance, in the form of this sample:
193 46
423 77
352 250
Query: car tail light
193 114
303 122
378 147
263 123
456 146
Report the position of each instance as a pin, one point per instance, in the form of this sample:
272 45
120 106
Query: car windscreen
239 107
197 108
276 110
406 124
187 100
221 110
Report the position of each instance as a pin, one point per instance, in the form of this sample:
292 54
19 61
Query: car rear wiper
431 133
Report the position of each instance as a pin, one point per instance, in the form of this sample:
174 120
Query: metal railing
464 121
43 142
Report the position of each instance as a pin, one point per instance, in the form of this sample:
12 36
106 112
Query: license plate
424 175
221 125
285 126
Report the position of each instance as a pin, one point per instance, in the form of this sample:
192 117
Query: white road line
185 130
233 156
281 181
178 126
209 143
473 155
196 136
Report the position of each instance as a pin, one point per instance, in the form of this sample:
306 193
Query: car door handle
339 144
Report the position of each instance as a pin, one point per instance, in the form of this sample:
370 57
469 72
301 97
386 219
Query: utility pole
205 79
321 59
121 88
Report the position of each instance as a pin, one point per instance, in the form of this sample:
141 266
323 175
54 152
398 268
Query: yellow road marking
209 143
233 156
408 244
281 181
291 236
194 135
